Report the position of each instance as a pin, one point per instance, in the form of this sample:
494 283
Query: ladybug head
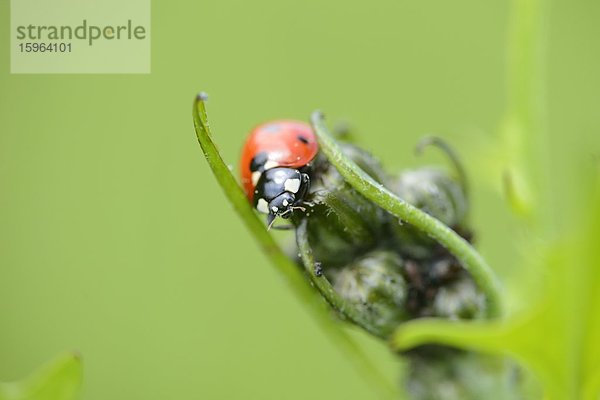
281 206
280 191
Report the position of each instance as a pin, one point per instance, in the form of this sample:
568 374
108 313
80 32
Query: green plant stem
322 284
525 72
522 126
290 271
450 333
459 168
376 192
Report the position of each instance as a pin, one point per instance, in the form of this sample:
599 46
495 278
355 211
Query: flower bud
440 287
366 161
342 224
436 372
459 300
375 286
435 192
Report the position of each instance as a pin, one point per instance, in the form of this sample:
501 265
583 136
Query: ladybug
275 166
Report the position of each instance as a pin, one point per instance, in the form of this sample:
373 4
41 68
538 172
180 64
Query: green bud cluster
387 272
387 269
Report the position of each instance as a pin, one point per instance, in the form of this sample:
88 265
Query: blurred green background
116 241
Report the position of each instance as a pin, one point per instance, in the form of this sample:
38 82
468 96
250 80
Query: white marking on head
270 164
255 177
292 185
285 202
262 206
275 209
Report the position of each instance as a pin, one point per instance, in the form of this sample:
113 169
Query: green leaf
291 273
58 380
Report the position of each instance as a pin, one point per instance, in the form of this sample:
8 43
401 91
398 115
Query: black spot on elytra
258 162
302 139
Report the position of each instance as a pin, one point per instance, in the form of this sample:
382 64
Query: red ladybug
275 166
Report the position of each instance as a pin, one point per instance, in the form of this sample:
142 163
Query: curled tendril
455 160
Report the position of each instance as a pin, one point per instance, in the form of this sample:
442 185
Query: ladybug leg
270 220
304 187
270 224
